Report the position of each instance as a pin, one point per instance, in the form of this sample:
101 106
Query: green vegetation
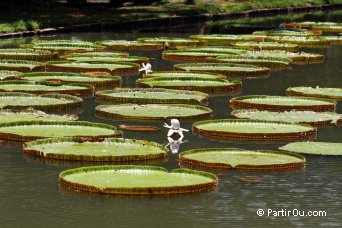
19 26
43 14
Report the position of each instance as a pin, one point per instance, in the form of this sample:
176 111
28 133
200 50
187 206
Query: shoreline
132 24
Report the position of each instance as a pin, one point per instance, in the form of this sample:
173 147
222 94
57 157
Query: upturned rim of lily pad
160 190
185 160
205 112
239 103
24 138
105 95
74 101
309 132
30 149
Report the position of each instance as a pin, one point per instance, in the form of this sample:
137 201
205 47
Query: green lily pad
302 41
253 130
67 77
7 116
217 39
98 58
268 45
96 54
42 102
108 150
271 62
283 103
330 93
229 69
229 50
323 26
150 112
308 117
178 74
131 45
5 74
283 32
20 65
152 96
111 67
207 85
334 40
27 54
172 42
32 130
45 88
63 46
241 159
314 148
139 180
190 55
296 57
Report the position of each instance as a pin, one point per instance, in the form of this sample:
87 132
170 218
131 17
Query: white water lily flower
175 128
147 68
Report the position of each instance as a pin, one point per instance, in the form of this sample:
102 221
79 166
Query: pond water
30 195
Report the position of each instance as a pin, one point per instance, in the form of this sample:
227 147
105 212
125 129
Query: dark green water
30 195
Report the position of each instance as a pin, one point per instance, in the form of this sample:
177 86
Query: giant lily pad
96 54
63 46
113 149
308 117
229 69
131 45
190 55
80 57
27 54
20 65
314 148
222 39
296 57
334 40
268 46
284 32
41 102
207 85
45 88
241 159
253 130
7 116
323 26
331 93
31 130
303 41
173 42
138 180
152 96
150 112
111 67
179 74
5 74
271 62
229 50
283 103
67 77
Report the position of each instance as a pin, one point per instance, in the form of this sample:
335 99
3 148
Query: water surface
30 195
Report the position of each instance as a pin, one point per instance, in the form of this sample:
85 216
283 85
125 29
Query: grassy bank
17 21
